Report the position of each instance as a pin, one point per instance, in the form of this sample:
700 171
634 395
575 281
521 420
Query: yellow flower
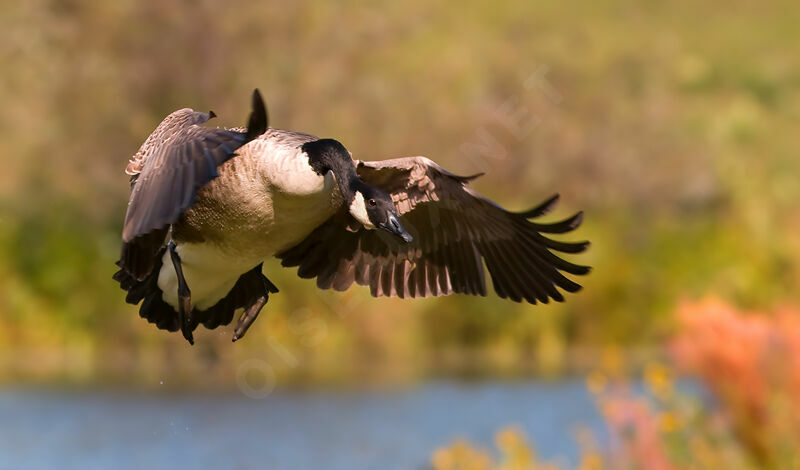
442 459
669 421
596 382
658 379
591 461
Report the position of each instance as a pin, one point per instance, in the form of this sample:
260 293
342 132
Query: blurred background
673 125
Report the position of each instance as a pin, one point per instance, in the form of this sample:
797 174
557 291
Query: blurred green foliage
672 124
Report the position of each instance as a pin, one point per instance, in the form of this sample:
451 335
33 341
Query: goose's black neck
326 155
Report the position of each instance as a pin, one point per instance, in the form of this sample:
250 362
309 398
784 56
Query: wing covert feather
456 231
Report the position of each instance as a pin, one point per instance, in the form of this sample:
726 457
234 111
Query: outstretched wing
177 159
455 231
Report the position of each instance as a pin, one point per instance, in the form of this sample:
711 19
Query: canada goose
208 206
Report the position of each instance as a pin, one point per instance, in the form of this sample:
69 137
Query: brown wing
455 231
177 159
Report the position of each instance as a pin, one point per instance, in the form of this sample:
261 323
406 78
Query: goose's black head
374 209
370 206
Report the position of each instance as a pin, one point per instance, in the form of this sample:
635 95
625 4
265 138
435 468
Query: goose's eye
372 203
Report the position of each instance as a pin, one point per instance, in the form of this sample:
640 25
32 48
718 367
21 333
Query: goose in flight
209 205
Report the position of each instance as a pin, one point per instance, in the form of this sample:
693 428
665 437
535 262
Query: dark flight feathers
455 232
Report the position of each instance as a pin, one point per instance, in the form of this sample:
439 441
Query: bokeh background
673 125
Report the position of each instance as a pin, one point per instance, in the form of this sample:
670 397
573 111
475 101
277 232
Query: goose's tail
247 290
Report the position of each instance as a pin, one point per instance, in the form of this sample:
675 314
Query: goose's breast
266 199
296 214
301 199
223 236
289 173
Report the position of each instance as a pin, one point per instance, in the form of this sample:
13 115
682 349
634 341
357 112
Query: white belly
210 274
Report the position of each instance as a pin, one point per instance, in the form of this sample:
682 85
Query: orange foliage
751 361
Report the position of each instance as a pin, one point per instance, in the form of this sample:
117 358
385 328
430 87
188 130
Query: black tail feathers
153 309
250 286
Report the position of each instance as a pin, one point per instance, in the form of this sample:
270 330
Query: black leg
184 297
249 316
251 312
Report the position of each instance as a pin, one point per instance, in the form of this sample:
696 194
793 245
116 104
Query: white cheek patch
358 209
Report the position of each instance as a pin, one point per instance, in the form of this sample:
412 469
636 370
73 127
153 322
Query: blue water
347 430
